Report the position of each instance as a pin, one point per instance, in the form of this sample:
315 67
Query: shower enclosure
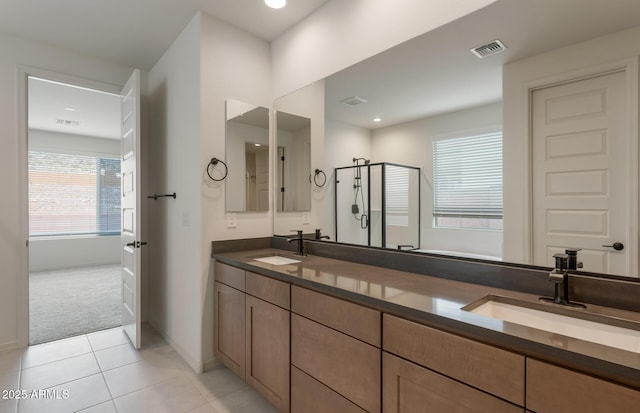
378 204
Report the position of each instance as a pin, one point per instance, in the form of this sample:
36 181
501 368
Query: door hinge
27 243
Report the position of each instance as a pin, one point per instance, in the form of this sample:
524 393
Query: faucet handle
561 261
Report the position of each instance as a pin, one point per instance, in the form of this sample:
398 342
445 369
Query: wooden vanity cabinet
267 339
555 389
487 368
327 345
408 388
252 328
229 329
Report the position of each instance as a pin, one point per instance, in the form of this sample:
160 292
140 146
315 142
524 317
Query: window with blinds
397 195
73 194
467 182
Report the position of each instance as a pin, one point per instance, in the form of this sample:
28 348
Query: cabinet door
267 351
229 327
555 389
409 388
308 395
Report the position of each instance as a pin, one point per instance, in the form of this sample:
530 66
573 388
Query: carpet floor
71 302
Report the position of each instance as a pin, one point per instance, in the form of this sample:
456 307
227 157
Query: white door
262 179
131 206
581 179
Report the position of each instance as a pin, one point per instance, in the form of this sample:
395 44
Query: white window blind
397 195
467 177
73 194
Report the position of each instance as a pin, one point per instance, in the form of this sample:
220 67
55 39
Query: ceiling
95 113
435 73
431 74
136 33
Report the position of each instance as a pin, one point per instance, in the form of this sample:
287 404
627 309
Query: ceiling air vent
66 122
489 49
353 101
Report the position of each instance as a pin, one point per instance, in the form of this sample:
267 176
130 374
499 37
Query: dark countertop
437 302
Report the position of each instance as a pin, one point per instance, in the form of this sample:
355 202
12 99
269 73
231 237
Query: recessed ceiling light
257 144
70 109
377 119
275 4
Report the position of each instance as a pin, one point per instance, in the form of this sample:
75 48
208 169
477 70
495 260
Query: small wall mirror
247 157
293 170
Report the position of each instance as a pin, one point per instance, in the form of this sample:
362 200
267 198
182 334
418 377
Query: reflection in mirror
247 155
396 105
378 205
293 172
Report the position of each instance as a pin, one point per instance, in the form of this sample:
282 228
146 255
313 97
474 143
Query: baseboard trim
9 345
212 364
196 365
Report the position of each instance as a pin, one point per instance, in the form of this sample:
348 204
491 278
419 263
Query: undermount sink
578 324
276 260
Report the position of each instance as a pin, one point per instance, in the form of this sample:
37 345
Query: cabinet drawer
488 368
231 276
352 319
555 389
409 388
308 395
267 289
348 366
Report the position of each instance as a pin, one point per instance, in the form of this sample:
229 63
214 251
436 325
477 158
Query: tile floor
102 373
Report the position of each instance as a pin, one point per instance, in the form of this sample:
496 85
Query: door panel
581 178
131 230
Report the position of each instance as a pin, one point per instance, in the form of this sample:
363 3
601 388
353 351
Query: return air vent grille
353 101
66 122
489 49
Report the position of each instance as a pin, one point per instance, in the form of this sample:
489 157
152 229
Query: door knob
618 246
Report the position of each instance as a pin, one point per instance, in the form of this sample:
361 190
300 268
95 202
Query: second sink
577 324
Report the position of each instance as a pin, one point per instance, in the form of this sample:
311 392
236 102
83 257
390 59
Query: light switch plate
232 220
306 218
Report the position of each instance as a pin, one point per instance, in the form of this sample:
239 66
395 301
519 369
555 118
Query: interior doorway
74 180
584 190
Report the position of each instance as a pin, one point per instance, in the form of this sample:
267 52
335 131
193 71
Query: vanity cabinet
555 389
252 331
490 369
408 388
331 345
229 345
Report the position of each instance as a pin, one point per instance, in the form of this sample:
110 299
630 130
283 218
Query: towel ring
213 162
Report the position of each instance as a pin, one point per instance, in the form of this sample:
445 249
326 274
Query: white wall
234 65
411 144
19 53
210 62
53 253
572 59
342 33
343 142
307 102
175 225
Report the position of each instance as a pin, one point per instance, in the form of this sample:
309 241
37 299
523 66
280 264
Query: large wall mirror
293 160
430 103
247 156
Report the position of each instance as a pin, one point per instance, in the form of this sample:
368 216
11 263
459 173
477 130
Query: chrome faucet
560 278
300 240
